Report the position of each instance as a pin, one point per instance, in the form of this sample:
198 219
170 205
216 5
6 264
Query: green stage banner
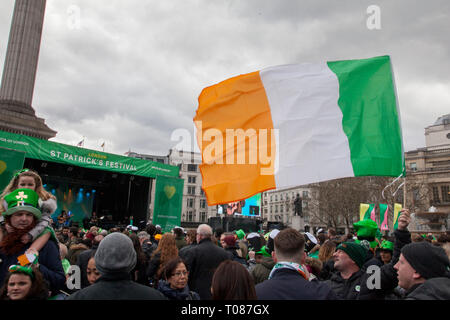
76 156
11 161
168 202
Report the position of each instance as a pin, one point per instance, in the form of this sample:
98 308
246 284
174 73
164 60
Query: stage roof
77 156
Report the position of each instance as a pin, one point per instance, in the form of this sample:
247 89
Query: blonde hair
14 183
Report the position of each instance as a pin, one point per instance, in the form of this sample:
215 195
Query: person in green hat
241 242
366 232
386 251
22 214
349 259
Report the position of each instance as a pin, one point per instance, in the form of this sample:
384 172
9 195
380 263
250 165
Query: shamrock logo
21 196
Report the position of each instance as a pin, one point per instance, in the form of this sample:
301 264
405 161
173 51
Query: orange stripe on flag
229 120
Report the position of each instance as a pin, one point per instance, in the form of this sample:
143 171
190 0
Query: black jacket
153 266
202 261
117 287
148 247
388 275
327 270
432 289
346 289
232 251
287 284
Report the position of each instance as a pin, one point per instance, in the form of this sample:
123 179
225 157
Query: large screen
248 207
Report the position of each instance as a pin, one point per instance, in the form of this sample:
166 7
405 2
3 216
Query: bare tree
340 199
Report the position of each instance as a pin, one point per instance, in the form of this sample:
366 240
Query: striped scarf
288 265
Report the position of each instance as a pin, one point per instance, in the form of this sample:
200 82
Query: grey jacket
432 289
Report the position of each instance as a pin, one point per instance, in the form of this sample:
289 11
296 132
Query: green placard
81 157
168 202
11 161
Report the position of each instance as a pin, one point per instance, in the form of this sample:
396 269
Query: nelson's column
19 72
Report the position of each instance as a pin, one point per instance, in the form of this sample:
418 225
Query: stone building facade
428 170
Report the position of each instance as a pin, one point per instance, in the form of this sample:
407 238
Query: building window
190 216
445 194
271 198
191 179
276 197
281 196
276 208
190 203
413 166
281 208
191 190
436 195
203 216
192 167
203 203
305 194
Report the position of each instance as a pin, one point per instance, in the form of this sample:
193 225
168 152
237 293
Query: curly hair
168 250
326 250
38 290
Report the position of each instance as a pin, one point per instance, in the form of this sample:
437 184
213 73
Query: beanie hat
230 240
240 234
22 200
428 260
115 254
355 251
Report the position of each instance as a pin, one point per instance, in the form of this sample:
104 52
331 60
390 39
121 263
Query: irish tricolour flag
292 125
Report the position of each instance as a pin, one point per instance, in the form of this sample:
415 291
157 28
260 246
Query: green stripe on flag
368 102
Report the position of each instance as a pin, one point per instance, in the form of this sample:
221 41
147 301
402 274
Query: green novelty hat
240 234
23 200
387 245
366 228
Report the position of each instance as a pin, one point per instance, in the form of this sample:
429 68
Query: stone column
22 56
19 73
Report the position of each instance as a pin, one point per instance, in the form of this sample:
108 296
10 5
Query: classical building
195 208
19 72
279 205
428 169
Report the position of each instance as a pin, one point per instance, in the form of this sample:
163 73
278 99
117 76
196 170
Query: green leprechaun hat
366 230
23 200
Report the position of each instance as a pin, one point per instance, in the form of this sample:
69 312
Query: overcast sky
129 72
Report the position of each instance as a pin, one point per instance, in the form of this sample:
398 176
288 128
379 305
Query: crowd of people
129 263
